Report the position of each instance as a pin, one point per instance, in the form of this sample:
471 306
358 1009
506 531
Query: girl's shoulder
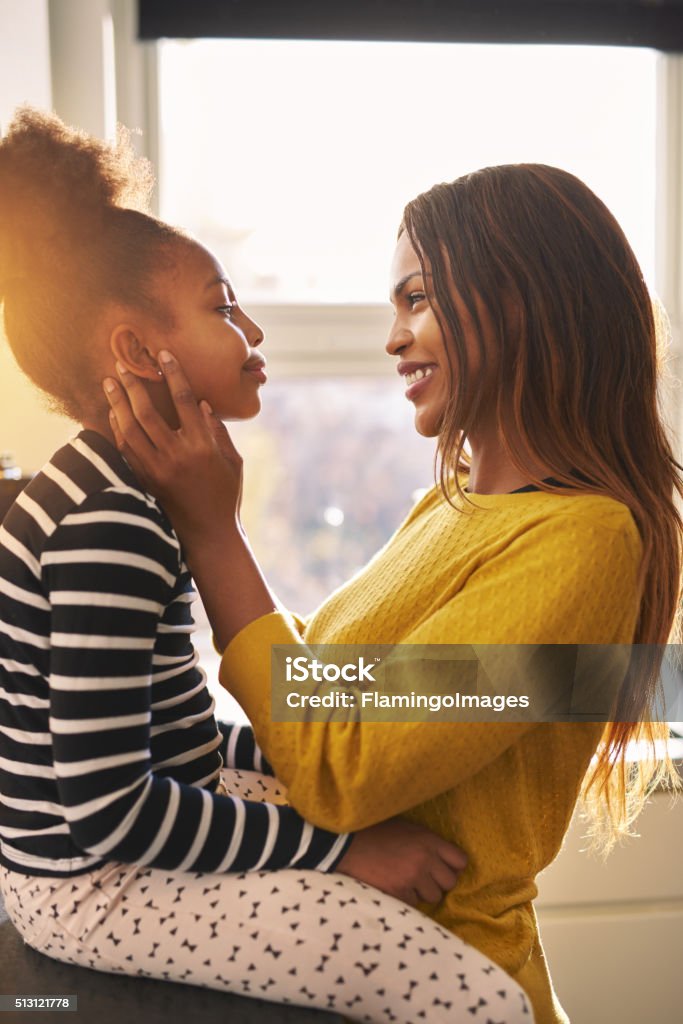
81 497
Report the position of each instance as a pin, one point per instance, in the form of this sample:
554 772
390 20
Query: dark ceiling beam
650 23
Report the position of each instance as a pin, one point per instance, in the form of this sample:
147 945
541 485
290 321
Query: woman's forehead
405 259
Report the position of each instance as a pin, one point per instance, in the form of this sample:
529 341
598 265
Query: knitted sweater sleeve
350 774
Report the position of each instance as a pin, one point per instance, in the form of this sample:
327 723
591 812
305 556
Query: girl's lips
258 373
418 387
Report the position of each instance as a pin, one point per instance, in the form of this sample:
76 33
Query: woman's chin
427 423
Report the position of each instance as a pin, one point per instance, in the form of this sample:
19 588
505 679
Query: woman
121 848
522 326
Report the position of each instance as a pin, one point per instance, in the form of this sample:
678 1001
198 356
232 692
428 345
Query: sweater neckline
529 493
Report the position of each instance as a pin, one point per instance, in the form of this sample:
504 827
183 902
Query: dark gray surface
113 998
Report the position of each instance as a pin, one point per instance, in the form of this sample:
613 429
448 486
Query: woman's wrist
198 540
233 589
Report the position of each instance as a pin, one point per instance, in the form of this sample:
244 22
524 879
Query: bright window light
293 160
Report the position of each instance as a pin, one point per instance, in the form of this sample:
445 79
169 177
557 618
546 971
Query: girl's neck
100 424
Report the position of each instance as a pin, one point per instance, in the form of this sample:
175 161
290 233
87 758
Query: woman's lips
415 389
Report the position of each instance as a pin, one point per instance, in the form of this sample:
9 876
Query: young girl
121 848
522 326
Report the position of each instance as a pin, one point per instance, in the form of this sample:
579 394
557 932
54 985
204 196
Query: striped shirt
109 748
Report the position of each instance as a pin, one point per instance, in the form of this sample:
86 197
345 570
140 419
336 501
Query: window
293 160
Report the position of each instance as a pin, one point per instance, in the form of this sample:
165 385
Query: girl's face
416 339
214 339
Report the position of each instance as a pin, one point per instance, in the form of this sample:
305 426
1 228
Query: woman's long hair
576 371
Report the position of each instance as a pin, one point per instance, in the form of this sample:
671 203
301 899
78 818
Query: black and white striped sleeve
239 748
109 570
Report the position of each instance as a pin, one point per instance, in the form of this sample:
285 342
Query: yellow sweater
521 568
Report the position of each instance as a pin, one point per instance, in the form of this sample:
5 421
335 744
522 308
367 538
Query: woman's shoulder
593 512
579 527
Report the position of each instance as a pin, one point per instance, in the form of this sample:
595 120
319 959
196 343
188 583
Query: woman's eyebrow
398 288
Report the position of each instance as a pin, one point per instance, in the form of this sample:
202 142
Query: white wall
26 428
24 55
611 931
60 54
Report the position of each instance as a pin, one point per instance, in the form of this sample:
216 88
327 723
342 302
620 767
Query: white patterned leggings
291 936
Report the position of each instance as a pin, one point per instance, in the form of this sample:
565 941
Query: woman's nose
399 339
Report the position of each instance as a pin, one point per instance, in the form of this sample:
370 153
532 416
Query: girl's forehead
196 267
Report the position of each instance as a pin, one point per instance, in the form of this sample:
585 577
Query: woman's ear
128 349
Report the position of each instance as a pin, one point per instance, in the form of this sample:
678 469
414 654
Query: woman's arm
332 769
347 774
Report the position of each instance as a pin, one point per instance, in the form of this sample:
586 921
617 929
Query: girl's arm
109 570
239 748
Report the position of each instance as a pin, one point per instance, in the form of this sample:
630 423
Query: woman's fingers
182 395
125 426
197 479
143 413
220 434
127 451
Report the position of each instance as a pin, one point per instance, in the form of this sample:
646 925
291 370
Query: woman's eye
227 310
415 297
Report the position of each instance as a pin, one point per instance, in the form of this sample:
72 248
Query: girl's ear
128 349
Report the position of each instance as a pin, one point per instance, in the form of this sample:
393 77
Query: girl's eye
415 297
227 310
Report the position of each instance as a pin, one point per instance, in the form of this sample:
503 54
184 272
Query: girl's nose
254 333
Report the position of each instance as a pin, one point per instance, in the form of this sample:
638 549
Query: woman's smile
417 377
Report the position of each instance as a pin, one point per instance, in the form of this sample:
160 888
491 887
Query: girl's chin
243 411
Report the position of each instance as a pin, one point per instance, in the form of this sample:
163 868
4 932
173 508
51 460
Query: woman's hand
405 860
194 471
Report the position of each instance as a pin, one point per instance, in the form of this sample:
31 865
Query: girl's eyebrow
398 288
219 280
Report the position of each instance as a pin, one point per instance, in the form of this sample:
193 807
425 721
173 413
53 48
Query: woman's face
214 339
416 339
